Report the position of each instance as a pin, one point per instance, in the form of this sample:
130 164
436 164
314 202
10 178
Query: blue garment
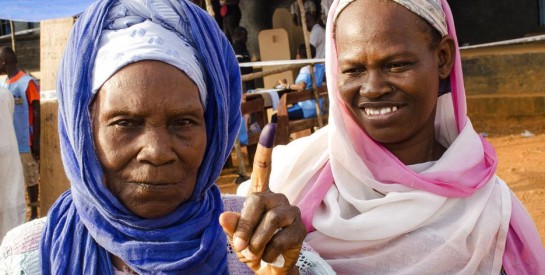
88 222
308 107
20 113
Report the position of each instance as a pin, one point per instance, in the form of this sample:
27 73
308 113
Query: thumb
229 221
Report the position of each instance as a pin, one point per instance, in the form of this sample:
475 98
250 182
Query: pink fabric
313 194
523 254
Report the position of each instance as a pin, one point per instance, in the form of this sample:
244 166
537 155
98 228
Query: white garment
405 231
325 4
12 192
317 39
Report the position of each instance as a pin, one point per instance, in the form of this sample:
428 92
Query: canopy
39 10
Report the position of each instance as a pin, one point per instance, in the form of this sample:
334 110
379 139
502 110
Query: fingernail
248 254
239 243
263 265
279 262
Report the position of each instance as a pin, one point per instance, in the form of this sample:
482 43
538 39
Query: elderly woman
149 108
405 185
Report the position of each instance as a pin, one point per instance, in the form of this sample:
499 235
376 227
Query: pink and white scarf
367 211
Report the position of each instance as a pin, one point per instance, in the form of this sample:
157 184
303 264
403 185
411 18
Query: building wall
505 83
28 51
485 21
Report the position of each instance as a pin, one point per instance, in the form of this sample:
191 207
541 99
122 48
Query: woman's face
150 136
389 71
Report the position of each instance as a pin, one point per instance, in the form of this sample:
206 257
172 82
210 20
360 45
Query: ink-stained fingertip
266 139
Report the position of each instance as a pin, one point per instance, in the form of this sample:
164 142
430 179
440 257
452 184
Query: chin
153 210
387 136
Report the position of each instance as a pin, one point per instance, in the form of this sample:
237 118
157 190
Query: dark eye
353 71
397 66
181 122
127 123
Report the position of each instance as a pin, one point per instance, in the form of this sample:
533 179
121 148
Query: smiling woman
399 182
149 108
388 77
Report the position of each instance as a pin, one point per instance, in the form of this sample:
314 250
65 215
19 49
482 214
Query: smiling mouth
372 111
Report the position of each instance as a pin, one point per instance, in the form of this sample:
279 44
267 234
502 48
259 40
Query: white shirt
317 39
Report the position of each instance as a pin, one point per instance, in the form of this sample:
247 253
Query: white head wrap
145 41
429 10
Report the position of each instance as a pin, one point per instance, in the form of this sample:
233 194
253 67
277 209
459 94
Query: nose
157 148
374 85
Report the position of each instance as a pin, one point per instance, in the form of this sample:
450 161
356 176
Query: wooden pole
53 182
209 8
12 35
252 76
309 54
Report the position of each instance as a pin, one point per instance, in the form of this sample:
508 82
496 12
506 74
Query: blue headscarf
88 222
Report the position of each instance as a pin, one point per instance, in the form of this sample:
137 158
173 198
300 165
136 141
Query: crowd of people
149 109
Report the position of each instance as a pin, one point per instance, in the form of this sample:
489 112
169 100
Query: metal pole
309 54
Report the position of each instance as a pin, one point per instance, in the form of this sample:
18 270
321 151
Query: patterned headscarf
129 38
87 223
429 10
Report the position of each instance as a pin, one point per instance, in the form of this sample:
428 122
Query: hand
283 83
35 150
269 229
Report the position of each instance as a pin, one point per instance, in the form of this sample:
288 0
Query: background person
316 29
231 14
307 108
12 192
240 37
26 119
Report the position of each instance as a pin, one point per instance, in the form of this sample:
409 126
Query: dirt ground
521 162
522 166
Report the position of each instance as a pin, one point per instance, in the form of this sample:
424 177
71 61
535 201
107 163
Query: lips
155 183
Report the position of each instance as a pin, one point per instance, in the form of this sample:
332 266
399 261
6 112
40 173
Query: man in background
12 190
26 121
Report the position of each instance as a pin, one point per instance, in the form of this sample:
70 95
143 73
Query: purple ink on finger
266 139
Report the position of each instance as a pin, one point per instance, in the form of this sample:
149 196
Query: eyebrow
127 112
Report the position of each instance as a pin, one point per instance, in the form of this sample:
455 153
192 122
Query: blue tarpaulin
39 10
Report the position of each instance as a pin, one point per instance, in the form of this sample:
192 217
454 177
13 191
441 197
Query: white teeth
380 111
385 110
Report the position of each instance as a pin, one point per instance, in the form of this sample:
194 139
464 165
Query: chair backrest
254 109
285 126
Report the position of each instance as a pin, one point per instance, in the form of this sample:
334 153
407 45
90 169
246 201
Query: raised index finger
263 160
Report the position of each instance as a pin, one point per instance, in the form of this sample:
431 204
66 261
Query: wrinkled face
388 71
150 137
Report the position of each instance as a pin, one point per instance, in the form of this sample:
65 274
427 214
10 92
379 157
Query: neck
420 148
11 71
120 265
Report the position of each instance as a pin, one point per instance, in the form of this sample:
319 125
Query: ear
445 56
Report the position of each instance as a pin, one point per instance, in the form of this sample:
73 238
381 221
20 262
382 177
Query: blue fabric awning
39 10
